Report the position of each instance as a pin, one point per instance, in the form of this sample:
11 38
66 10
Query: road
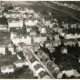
36 57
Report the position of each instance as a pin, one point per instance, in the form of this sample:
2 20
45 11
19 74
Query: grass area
7 59
20 73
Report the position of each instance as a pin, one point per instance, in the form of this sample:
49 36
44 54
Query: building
14 15
70 73
19 39
43 30
69 36
2 49
11 48
36 46
31 22
14 23
7 69
64 50
70 42
46 77
11 68
20 63
3 27
4 69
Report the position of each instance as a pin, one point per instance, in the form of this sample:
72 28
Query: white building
2 49
16 39
31 22
3 27
69 36
20 63
7 69
11 49
15 24
43 30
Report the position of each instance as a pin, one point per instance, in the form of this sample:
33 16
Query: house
34 64
36 46
37 39
11 48
56 43
59 76
11 68
43 37
64 50
28 29
51 49
21 55
32 59
33 33
69 36
39 70
69 42
7 69
18 39
14 14
2 49
0 13
46 77
14 23
28 40
78 41
43 30
66 25
3 27
4 69
20 63
69 73
56 37
31 22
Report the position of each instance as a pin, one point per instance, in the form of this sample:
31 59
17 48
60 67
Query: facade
2 49
11 49
31 22
20 63
7 69
16 39
3 27
15 24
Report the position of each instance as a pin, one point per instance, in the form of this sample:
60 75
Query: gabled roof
20 53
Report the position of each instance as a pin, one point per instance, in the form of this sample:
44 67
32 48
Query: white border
39 0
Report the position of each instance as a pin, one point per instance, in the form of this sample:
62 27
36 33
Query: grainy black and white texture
39 39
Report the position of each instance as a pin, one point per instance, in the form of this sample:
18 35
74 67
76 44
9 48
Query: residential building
43 30
70 42
20 63
7 69
69 36
31 22
36 46
17 39
11 68
46 77
14 14
11 48
4 69
15 23
2 49
3 27
64 50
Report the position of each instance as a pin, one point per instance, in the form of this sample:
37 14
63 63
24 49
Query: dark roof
20 53
37 66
